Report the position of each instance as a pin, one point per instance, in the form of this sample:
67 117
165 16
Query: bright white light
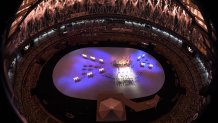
90 74
43 35
64 32
51 31
92 58
144 43
190 50
125 73
127 22
101 70
179 41
101 60
14 61
202 66
150 66
84 55
143 55
139 58
142 64
125 76
62 27
76 79
36 40
26 47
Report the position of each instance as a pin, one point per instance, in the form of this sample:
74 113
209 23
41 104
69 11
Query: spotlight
143 55
90 74
145 43
101 70
142 64
92 58
189 49
150 66
65 32
101 61
76 79
84 56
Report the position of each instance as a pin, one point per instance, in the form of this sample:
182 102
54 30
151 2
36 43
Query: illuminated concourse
109 61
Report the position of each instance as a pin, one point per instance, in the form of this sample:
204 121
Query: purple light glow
145 81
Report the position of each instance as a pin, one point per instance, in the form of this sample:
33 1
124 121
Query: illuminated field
87 72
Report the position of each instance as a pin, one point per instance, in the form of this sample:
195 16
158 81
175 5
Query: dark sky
8 8
211 114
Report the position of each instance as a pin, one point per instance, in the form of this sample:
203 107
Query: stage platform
87 72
